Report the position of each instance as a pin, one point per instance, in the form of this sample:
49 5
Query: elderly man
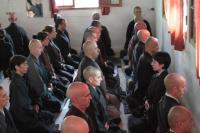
175 87
80 97
180 120
39 81
74 124
7 124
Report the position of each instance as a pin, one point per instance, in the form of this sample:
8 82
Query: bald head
95 16
180 119
175 84
35 47
74 124
143 35
90 49
139 25
151 45
90 34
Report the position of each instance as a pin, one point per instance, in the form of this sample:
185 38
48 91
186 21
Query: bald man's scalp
173 80
75 89
178 114
74 124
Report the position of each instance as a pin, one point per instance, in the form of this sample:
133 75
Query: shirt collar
169 95
1 110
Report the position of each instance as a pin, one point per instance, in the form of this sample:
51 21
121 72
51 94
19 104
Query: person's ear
90 79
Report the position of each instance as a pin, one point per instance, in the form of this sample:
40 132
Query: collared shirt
171 131
169 95
1 110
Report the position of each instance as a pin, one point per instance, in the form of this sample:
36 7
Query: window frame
73 7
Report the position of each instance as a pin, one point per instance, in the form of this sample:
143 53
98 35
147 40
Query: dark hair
15 60
163 58
40 36
58 22
48 28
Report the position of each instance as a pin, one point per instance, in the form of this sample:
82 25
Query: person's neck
36 57
90 57
81 109
19 73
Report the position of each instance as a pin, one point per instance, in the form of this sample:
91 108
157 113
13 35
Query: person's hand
146 104
36 108
106 126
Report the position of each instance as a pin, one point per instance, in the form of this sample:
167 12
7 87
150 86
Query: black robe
7 124
130 31
89 62
21 108
20 39
63 43
97 109
164 106
144 73
76 112
155 91
6 52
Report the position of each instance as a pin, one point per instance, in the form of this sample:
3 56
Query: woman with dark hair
156 89
55 54
63 42
28 117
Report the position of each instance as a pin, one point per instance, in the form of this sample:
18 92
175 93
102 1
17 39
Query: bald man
18 35
144 68
142 35
39 81
74 124
180 120
175 87
80 97
130 31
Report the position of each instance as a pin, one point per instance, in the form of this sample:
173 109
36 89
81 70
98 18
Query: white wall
116 22
182 62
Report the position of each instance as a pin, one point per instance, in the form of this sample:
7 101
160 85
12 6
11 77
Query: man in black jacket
7 124
18 35
175 87
80 97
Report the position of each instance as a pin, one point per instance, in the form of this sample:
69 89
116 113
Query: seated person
28 118
180 120
74 124
175 88
6 52
156 89
38 80
54 52
130 30
105 37
91 52
98 106
18 35
131 46
143 75
142 35
63 42
80 97
7 124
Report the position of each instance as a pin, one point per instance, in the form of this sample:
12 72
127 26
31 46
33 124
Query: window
192 22
76 4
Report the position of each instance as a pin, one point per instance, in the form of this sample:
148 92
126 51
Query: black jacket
76 112
163 109
20 39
